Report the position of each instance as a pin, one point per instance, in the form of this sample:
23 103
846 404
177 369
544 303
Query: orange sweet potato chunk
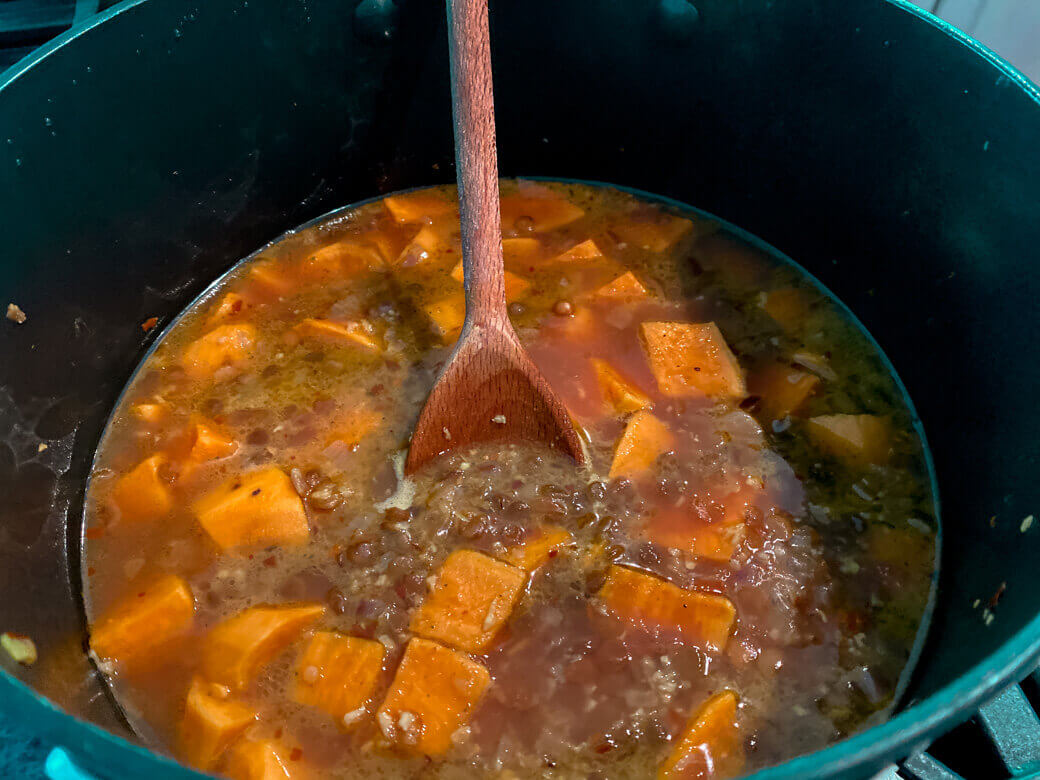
447 315
788 306
230 305
353 425
644 440
434 693
537 208
654 605
261 759
338 674
421 207
340 260
515 285
584 252
268 280
538 548
429 246
654 231
472 598
238 648
207 443
691 359
351 334
261 507
620 393
857 438
716 540
225 345
782 389
143 621
150 412
521 254
625 287
142 493
710 745
210 724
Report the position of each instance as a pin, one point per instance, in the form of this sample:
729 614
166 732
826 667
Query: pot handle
60 766
1013 727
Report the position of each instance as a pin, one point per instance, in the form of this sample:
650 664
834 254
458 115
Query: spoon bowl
490 389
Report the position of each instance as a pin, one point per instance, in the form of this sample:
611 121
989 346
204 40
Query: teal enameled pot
145 152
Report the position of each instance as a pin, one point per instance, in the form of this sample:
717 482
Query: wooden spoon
490 390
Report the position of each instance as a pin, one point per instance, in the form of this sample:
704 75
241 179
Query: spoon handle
476 161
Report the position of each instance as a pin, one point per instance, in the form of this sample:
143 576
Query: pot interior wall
144 158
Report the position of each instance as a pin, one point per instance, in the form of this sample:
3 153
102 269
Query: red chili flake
236 307
149 323
296 754
141 595
95 533
604 747
278 734
272 561
995 598
553 553
376 389
90 571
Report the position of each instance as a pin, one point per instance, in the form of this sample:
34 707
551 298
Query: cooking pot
143 153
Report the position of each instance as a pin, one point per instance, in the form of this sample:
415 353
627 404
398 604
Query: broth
737 576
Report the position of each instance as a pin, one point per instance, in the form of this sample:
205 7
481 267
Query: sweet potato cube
207 443
143 621
428 246
716 541
538 548
857 438
691 359
340 260
225 345
210 724
521 254
238 648
352 426
150 412
260 759
229 306
644 440
620 393
537 208
654 605
142 494
515 285
710 745
434 693
270 280
625 287
472 598
584 252
447 316
350 334
782 389
338 674
581 325
654 231
425 207
788 306
261 508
